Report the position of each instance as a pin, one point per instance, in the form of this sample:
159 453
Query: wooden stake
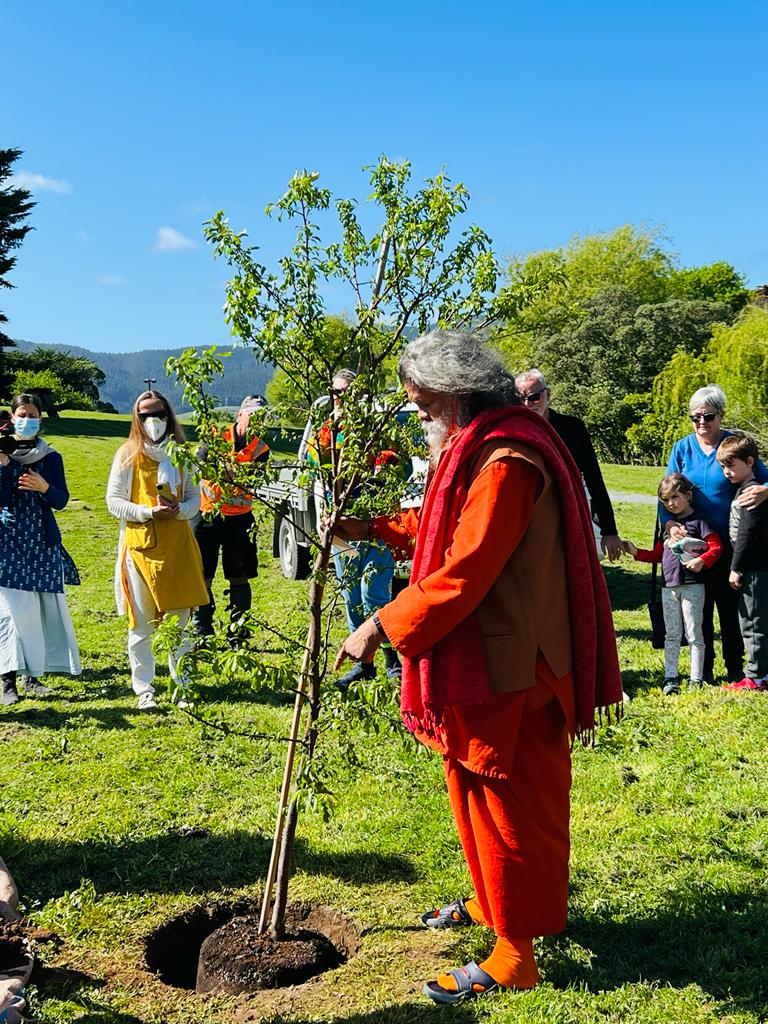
285 790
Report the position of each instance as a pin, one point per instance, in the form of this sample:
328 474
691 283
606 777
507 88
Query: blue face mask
26 427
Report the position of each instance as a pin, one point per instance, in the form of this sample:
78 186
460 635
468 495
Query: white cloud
112 280
171 240
39 183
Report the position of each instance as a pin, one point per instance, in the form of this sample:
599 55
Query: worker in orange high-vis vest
226 526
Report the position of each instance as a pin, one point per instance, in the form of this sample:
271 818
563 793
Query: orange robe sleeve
398 532
494 518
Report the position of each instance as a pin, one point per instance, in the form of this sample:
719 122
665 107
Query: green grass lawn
669 900
634 479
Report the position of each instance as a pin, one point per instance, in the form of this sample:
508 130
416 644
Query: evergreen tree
15 205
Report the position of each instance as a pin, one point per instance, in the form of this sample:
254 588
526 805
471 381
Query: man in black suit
535 393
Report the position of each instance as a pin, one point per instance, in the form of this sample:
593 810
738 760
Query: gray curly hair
458 363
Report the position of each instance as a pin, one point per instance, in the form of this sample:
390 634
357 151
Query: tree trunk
277 924
308 691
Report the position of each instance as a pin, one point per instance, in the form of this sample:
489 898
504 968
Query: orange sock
511 964
473 909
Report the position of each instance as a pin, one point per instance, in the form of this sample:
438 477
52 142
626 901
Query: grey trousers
753 619
683 606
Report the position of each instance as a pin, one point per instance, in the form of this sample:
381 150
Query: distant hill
125 373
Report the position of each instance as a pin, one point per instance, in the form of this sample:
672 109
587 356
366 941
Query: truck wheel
294 557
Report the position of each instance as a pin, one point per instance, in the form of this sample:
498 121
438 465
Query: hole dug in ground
218 949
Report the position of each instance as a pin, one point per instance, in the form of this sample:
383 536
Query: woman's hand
629 547
753 496
32 481
360 645
165 511
735 580
695 565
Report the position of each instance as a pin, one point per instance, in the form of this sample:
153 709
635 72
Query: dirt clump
15 939
236 958
13 945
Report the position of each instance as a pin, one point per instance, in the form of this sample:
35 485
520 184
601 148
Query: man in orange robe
507 644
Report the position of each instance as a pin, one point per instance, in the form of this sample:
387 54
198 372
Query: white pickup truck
298 505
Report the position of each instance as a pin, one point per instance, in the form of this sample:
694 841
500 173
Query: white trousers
36 634
140 637
683 608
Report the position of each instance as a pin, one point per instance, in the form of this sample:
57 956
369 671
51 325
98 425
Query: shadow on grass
195 861
44 716
63 982
638 680
241 692
85 426
628 591
107 1016
717 944
422 1012
97 675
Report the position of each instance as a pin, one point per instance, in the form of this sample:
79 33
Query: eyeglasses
161 414
533 397
707 417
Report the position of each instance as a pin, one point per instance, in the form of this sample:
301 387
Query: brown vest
526 609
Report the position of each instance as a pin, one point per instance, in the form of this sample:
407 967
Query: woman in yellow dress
159 571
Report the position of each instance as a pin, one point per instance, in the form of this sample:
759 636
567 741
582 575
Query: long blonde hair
138 436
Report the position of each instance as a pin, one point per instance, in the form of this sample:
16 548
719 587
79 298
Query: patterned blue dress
36 632
27 559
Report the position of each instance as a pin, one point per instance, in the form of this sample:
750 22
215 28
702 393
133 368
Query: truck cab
298 505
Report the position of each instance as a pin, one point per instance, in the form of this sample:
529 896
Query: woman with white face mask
159 571
36 633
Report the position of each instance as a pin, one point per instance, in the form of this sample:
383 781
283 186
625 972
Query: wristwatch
378 625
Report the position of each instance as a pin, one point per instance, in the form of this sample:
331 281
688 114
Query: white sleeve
189 505
118 494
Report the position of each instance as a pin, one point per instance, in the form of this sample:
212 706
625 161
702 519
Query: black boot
9 693
392 666
239 604
31 684
202 618
362 670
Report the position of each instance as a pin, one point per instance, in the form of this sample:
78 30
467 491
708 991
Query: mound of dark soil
15 954
235 958
13 945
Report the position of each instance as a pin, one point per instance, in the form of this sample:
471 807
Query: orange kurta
507 760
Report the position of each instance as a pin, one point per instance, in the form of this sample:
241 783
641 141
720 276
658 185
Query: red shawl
454 671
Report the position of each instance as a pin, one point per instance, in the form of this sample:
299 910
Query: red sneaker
746 684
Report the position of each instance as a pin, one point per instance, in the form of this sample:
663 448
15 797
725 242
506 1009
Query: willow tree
417 268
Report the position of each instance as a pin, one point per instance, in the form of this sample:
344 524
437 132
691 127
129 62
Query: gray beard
436 432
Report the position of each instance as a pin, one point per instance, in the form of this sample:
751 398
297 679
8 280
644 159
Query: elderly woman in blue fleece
695 457
36 633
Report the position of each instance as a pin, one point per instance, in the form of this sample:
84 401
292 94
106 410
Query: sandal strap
471 981
472 974
452 915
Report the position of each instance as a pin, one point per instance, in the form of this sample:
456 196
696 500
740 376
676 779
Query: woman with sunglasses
159 571
695 456
36 633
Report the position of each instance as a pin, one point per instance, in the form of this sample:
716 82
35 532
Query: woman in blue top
694 456
36 634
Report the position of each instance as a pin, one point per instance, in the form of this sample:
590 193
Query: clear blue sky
559 118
